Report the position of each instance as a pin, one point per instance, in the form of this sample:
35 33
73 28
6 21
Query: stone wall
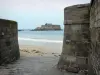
81 45
9 49
94 57
76 38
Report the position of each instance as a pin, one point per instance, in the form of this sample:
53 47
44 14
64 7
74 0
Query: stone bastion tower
74 56
9 48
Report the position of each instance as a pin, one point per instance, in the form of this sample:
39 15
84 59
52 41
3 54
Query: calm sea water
40 37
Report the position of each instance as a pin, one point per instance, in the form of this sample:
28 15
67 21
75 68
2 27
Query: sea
50 39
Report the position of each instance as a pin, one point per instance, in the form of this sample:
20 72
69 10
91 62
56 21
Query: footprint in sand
33 50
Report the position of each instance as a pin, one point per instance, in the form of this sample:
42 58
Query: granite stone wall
81 45
74 56
94 56
9 48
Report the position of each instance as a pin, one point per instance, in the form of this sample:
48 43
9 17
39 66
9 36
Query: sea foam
40 40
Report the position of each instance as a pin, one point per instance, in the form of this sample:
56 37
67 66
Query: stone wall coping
77 6
5 20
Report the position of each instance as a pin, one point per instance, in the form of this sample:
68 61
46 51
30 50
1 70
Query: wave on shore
40 40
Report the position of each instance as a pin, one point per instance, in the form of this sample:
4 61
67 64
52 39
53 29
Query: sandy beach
39 50
34 60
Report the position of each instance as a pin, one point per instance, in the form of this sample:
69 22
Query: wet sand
34 61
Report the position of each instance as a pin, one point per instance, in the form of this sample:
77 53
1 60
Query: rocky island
47 26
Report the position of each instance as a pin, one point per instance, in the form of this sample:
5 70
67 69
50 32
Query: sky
33 13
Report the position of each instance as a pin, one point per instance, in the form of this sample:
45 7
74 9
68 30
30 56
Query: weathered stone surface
76 14
76 38
83 72
78 47
94 56
9 49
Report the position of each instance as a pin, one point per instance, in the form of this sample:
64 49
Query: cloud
38 4
32 13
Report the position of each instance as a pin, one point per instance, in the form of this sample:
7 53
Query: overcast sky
33 13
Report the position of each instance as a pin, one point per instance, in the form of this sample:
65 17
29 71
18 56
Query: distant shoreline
38 30
47 30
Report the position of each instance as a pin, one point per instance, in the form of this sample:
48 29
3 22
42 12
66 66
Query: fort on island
48 26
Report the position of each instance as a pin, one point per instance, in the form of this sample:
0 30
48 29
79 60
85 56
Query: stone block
7 52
